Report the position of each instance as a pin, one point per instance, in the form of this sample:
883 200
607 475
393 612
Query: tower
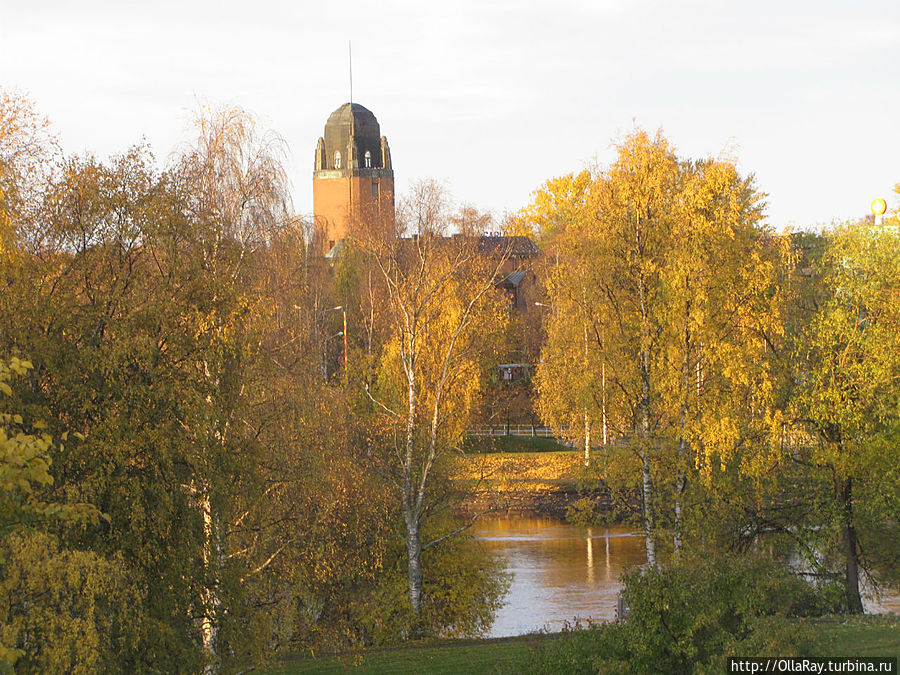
353 179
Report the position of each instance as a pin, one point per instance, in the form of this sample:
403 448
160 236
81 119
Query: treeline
743 383
190 478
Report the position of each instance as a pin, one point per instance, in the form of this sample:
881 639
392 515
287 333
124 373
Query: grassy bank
541 482
858 636
500 471
488 444
836 636
484 656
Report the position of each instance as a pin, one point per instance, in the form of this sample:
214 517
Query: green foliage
686 613
846 359
687 617
169 326
766 636
584 512
466 589
231 504
55 607
25 465
849 355
462 591
68 611
24 458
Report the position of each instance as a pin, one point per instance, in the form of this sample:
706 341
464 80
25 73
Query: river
561 573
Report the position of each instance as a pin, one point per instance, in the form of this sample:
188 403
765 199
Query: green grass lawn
452 657
837 636
858 636
485 444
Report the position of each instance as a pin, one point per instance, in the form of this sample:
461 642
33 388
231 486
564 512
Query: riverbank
835 636
536 482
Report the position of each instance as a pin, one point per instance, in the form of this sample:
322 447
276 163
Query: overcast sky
491 98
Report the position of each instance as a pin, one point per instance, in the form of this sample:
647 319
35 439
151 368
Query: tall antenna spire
350 164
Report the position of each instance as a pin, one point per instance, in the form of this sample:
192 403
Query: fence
790 439
513 430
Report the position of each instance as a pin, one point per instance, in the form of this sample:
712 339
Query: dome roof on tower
352 141
362 118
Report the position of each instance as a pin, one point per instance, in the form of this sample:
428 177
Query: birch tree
236 191
722 318
661 298
443 313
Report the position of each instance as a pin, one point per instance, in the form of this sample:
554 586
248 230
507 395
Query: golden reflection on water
560 573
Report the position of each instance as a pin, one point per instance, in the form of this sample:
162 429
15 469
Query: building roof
362 116
336 251
513 280
517 246
352 131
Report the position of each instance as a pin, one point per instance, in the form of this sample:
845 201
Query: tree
49 622
572 373
442 314
723 317
67 610
142 327
236 193
27 158
105 314
848 368
556 206
171 318
558 217
667 278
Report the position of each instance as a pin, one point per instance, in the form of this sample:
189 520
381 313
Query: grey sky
491 98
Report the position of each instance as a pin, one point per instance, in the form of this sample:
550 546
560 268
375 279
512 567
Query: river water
562 574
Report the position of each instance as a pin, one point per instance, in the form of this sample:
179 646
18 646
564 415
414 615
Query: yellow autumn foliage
529 470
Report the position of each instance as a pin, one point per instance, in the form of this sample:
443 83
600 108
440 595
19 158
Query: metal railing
513 430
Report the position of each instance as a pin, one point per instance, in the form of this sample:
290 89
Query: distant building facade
518 274
353 177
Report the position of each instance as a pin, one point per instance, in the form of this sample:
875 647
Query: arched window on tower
337 159
368 159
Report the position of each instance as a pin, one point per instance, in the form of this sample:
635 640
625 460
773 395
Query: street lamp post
325 352
321 316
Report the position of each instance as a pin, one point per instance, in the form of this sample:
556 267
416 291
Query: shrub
686 613
767 636
691 615
463 588
576 651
